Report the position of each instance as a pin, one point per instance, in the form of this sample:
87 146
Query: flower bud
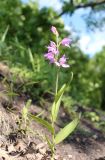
54 30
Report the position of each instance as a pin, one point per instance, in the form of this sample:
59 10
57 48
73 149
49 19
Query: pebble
70 156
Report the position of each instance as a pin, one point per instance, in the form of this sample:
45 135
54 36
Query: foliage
98 63
94 11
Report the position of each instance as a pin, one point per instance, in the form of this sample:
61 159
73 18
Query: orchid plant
60 61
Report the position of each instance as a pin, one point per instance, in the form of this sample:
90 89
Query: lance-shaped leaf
4 35
57 102
42 122
68 129
31 59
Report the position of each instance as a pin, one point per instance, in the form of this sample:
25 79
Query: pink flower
52 44
50 56
66 42
54 30
52 48
62 62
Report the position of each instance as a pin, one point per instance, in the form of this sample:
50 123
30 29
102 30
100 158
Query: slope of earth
86 143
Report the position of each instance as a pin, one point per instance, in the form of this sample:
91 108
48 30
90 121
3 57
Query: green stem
57 41
53 141
57 78
52 158
53 134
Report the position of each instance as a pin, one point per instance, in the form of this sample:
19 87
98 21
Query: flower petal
57 64
65 65
66 42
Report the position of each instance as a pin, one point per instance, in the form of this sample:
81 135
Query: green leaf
38 115
42 122
71 77
31 59
12 94
57 101
49 144
4 35
28 103
63 133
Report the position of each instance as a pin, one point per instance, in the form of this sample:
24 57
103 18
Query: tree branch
86 5
90 4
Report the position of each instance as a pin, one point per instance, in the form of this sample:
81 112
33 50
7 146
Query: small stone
95 136
70 156
78 139
98 150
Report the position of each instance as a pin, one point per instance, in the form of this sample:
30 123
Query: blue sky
90 42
